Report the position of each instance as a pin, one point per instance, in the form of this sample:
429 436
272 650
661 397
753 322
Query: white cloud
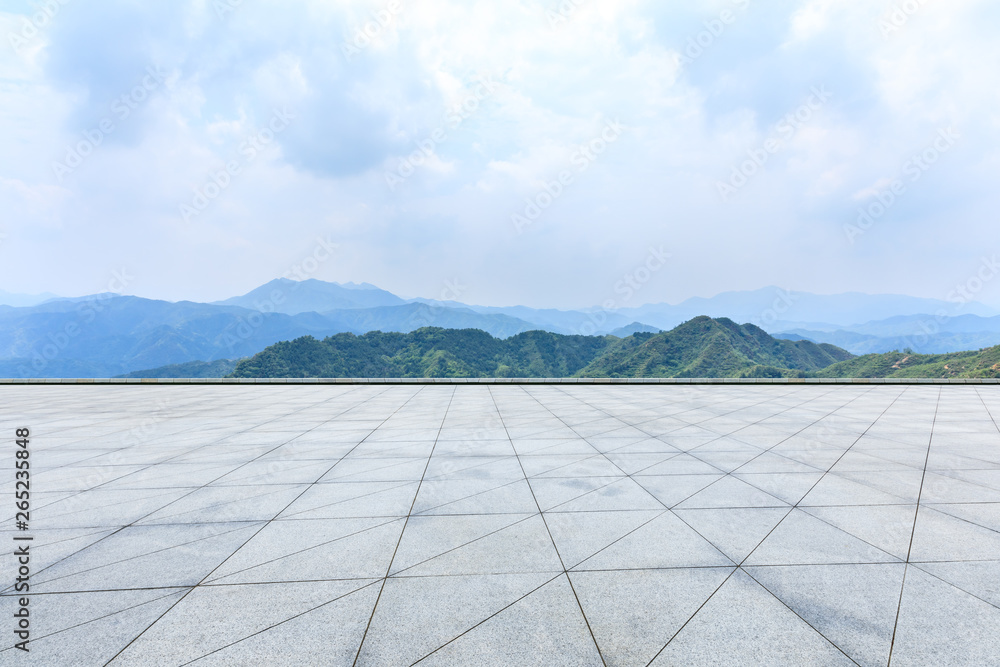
556 86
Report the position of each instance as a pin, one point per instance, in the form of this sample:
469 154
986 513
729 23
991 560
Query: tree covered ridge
702 347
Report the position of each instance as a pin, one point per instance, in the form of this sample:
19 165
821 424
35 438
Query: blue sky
527 152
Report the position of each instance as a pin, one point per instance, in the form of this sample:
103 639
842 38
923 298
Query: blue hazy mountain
924 334
108 335
774 309
413 316
312 296
24 300
111 335
771 308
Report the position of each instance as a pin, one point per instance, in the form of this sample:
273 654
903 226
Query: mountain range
109 335
702 347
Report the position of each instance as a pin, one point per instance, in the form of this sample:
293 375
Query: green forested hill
702 347
426 352
191 369
981 364
706 347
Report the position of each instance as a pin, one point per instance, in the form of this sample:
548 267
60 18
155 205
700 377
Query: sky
500 152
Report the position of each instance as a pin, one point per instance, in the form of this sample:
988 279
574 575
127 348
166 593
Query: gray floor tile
345 500
328 635
854 606
551 493
86 628
579 535
544 628
743 624
790 487
524 546
309 550
671 490
633 614
663 542
942 537
802 539
417 615
731 492
942 625
734 532
623 494
146 557
428 537
886 527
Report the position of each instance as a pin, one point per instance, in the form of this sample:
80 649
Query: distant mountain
911 325
701 348
773 308
942 343
108 335
192 369
312 296
570 322
926 334
413 316
24 300
981 364
105 337
634 328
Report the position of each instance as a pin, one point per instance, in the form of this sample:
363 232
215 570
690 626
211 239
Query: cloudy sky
501 152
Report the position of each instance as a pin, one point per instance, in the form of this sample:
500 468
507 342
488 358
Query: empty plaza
506 524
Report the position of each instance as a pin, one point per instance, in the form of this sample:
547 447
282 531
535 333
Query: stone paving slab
507 524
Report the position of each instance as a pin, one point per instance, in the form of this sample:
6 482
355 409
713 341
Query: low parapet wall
499 381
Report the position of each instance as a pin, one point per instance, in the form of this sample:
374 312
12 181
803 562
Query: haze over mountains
108 335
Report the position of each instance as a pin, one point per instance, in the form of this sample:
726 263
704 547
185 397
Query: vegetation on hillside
983 363
702 347
192 369
429 352
706 347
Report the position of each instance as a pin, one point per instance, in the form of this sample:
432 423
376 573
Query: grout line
402 532
913 530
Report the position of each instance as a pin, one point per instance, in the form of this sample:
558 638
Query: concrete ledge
501 381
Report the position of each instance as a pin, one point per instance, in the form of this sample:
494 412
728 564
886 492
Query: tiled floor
517 525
